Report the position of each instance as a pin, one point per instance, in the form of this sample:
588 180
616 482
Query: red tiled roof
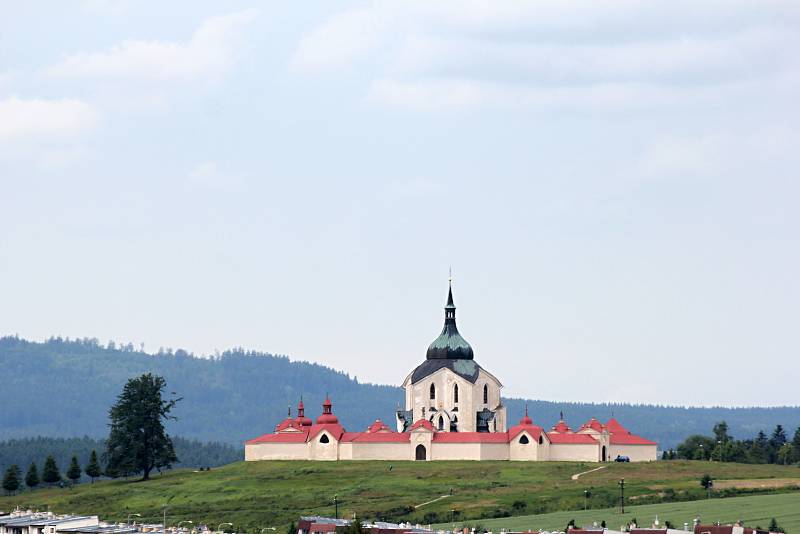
376 437
534 430
334 429
287 423
379 426
286 437
613 426
422 423
570 438
593 424
629 439
471 437
562 427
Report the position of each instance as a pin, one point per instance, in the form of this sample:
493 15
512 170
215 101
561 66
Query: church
453 411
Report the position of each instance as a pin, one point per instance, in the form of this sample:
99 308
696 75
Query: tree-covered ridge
64 388
26 451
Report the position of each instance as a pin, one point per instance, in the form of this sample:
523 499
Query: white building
453 411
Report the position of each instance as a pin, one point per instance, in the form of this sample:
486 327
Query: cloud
208 54
601 55
36 118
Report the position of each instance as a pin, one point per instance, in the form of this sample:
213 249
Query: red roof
422 423
376 437
613 426
570 438
592 424
286 437
335 430
534 430
471 437
286 424
629 439
562 427
379 426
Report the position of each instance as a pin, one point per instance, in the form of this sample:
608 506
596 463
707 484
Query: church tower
449 389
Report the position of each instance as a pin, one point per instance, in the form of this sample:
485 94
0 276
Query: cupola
327 417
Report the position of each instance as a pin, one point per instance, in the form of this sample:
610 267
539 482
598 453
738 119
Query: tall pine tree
138 442
74 470
50 472
32 476
11 479
93 469
796 446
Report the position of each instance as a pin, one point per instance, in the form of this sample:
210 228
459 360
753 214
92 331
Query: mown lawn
262 494
754 510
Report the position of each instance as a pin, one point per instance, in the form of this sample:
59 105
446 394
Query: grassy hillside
240 394
754 510
263 494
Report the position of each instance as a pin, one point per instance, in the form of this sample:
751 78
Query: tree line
137 442
723 447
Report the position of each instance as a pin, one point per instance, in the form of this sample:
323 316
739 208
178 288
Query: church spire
450 345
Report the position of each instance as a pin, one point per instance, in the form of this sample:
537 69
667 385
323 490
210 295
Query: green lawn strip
756 510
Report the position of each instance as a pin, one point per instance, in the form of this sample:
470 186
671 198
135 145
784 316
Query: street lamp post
622 495
336 505
585 499
131 515
219 528
165 517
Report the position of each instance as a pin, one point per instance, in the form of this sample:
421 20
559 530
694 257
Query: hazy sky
615 185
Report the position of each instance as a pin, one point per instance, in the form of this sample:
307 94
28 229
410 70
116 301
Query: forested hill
64 389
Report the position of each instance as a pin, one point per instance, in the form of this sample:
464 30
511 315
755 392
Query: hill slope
64 389
259 494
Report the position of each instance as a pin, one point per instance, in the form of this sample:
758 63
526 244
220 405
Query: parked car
621 458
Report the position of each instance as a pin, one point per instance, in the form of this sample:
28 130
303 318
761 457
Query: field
264 494
755 510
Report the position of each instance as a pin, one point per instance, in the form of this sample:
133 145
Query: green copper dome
450 345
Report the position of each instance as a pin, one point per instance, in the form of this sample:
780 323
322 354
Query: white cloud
604 55
208 54
36 118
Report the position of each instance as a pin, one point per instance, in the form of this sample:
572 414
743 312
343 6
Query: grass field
754 510
262 494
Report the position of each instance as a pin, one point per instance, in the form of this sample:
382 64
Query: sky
613 183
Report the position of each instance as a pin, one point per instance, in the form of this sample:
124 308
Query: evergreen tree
32 476
796 446
138 442
759 450
721 432
74 471
11 479
774 527
93 469
292 528
50 472
776 442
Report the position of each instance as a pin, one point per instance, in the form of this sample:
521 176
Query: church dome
327 417
450 345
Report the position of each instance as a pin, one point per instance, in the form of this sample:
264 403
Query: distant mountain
64 388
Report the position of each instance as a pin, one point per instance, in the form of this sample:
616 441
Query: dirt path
431 502
576 476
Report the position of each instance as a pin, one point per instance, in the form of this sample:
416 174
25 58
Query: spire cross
450 276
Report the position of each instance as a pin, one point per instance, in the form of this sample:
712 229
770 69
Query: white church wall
637 453
323 451
574 452
276 451
524 451
380 451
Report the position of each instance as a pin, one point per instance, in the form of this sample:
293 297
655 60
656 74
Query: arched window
541 440
485 394
420 452
324 439
433 392
455 393
524 440
441 423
